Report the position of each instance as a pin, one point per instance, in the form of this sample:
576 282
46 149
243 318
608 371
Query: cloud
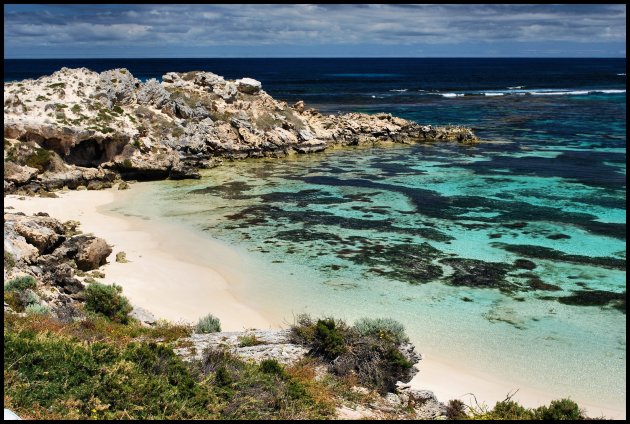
169 27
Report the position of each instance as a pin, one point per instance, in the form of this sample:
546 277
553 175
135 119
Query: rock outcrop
256 345
52 253
77 126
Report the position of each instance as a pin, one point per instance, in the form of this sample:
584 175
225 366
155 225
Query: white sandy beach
168 274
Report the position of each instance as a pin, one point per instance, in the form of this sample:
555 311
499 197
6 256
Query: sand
168 273
165 273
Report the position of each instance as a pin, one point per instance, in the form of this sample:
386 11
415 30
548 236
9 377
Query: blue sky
373 30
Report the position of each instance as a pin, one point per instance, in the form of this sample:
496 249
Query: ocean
507 257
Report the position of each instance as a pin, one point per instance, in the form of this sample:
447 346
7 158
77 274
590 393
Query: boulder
153 93
248 85
92 254
142 315
88 252
42 232
17 174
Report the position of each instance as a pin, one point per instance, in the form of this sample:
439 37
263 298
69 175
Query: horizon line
327 57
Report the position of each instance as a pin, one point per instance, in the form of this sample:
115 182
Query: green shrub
9 260
381 328
20 283
510 410
107 300
208 324
372 356
40 159
37 309
456 410
330 340
41 98
271 366
99 380
57 85
117 109
562 409
76 108
249 340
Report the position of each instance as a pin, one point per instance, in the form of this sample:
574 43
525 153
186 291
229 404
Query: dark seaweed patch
524 264
558 236
233 190
589 168
596 298
547 253
476 273
536 283
405 262
454 208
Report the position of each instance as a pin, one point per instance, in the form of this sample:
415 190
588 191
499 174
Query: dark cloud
169 28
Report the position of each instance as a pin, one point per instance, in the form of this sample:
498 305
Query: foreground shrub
562 409
20 283
329 339
372 352
107 300
74 380
265 391
37 309
381 328
455 410
208 324
510 410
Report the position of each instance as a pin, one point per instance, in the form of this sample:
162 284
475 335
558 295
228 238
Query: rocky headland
79 128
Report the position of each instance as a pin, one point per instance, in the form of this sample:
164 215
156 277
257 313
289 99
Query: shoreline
170 276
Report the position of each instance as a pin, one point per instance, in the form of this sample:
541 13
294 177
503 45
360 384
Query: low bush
370 351
9 260
20 283
37 309
208 324
381 328
107 300
271 366
249 340
561 409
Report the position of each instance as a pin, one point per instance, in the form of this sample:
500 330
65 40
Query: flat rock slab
271 344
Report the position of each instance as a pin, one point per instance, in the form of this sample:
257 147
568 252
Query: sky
371 30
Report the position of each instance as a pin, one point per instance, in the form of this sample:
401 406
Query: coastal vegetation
98 368
208 324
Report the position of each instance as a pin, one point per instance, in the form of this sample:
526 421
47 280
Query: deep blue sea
507 257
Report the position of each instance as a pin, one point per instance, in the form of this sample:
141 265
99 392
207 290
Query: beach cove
183 278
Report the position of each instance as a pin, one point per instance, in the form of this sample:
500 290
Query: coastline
170 276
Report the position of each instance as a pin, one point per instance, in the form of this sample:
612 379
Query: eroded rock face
40 231
155 130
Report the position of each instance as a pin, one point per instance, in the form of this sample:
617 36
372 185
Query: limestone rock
18 174
153 93
248 85
42 232
92 254
274 344
143 315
